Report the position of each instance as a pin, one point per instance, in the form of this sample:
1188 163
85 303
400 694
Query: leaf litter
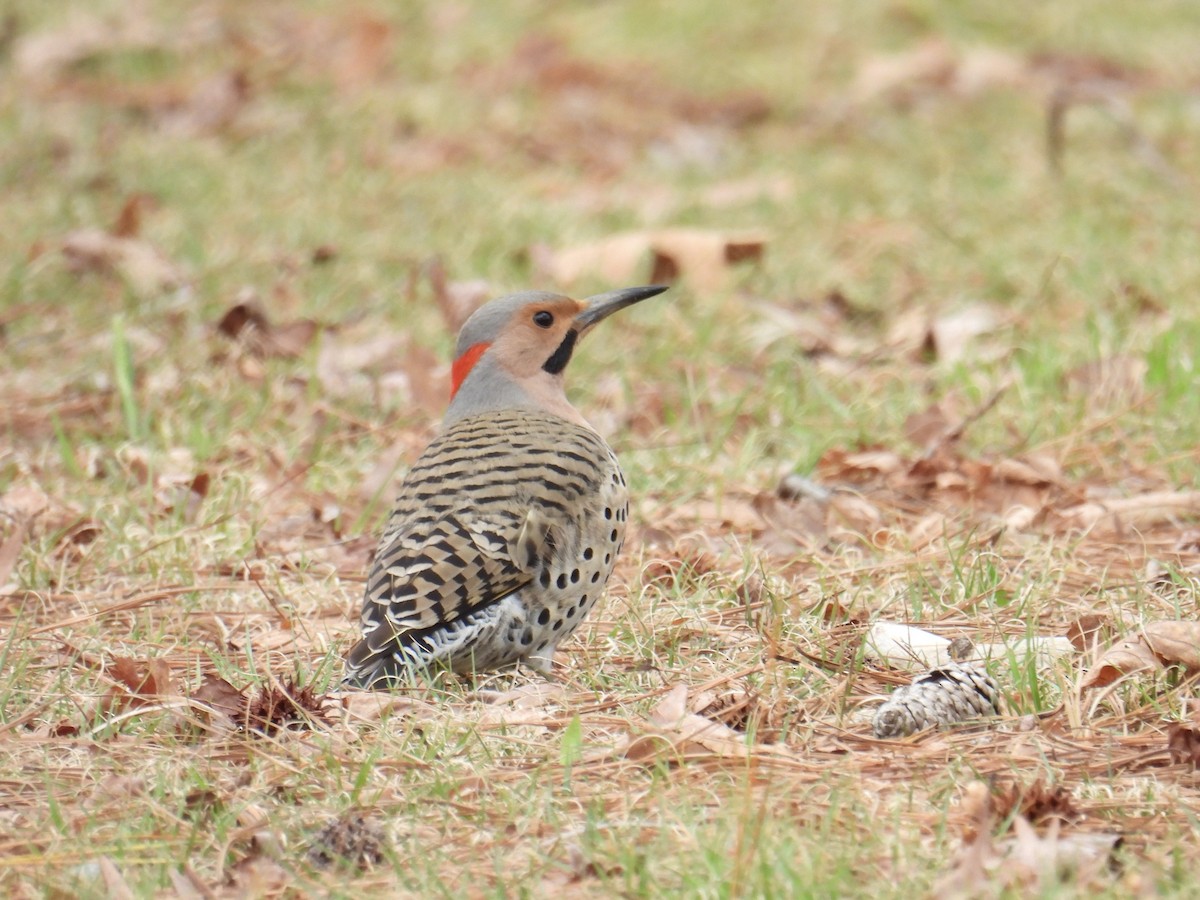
769 679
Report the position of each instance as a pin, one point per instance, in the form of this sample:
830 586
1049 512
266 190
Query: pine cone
942 696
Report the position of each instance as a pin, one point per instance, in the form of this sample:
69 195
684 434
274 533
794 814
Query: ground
929 358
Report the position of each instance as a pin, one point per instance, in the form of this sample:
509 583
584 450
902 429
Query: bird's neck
488 387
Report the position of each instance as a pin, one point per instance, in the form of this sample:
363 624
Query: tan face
540 337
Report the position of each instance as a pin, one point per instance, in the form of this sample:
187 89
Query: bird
506 529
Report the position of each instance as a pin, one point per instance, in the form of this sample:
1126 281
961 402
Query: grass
175 495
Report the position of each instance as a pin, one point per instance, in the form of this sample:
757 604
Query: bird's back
503 535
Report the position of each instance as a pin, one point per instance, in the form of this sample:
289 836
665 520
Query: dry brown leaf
188 886
1175 642
673 721
222 697
1143 510
134 261
935 67
258 875
24 501
1038 802
1121 659
1183 745
535 695
791 527
856 467
246 321
1086 632
702 258
929 425
129 220
1036 470
951 336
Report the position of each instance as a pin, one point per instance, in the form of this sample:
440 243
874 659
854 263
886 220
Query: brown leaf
858 467
1175 642
134 261
702 258
241 316
952 335
791 527
258 875
673 721
129 220
1087 631
222 696
1121 659
1142 510
928 426
1183 744
290 339
935 67
246 322
140 682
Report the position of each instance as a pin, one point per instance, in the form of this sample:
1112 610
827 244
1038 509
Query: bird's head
514 349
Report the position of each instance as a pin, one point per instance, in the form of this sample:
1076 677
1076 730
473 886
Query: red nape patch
464 364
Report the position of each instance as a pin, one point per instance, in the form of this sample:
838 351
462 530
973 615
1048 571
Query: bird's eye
543 319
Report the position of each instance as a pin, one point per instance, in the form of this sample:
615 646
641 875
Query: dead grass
911 372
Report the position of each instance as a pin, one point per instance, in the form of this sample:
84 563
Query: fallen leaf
935 67
222 697
257 875
928 426
1142 510
246 322
673 721
702 258
951 336
791 527
1086 632
1175 642
1183 745
24 501
134 261
129 220
1125 658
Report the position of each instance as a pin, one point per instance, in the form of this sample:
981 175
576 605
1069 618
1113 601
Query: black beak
604 305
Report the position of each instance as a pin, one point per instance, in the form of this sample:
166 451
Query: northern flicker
507 528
